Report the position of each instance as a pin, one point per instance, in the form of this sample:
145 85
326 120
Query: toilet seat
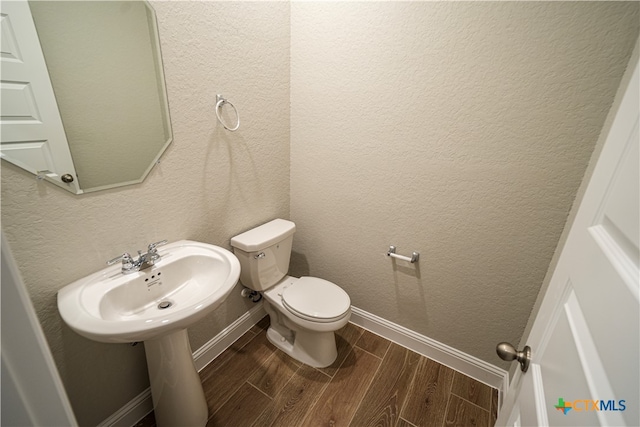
316 299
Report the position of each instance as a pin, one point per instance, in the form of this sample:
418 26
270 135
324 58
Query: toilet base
317 349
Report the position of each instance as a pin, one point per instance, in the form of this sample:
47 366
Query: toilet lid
316 298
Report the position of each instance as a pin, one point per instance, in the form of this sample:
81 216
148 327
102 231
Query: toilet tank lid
263 236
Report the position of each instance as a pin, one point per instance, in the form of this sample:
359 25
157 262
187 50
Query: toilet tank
264 253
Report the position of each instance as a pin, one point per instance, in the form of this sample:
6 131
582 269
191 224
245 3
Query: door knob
508 352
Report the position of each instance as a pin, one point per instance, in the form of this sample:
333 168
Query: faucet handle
152 246
127 261
124 258
152 249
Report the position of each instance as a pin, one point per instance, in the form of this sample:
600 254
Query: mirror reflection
105 66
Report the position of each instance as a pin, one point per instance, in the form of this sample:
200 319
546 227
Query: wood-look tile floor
373 382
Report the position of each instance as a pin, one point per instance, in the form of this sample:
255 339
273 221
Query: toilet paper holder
415 256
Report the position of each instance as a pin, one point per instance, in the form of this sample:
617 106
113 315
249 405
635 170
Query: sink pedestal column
176 389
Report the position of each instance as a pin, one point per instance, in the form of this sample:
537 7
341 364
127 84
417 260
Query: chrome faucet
144 261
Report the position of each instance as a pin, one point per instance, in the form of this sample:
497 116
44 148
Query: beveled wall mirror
105 67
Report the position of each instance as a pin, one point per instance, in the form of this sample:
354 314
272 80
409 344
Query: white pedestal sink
156 306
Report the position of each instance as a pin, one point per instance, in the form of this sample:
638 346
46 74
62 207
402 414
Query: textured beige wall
457 129
210 185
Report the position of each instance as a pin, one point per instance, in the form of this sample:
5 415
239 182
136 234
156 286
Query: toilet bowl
304 312
305 325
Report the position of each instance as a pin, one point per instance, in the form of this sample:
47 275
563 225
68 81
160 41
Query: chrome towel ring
220 101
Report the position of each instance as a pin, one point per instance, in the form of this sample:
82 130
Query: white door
585 364
32 392
32 134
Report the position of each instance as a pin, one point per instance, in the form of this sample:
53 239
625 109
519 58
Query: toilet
304 312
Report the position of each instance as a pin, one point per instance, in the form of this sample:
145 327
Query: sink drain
165 304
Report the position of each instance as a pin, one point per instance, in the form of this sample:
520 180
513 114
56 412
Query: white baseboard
214 347
471 366
455 359
141 405
132 412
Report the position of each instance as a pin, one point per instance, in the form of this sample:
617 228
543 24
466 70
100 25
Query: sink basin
189 281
